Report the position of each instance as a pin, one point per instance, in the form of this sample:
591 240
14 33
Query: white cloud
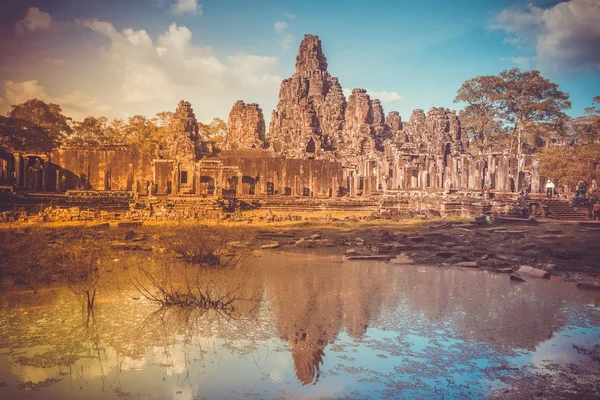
255 72
150 70
564 37
280 26
290 16
76 104
181 7
34 20
522 62
383 95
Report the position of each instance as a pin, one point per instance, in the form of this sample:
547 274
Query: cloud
181 7
385 96
521 62
564 37
290 16
75 104
281 28
149 70
34 20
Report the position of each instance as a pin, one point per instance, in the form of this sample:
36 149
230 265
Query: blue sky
123 57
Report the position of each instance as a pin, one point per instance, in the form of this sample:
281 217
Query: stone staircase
561 209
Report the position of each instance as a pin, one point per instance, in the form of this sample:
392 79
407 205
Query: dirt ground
569 251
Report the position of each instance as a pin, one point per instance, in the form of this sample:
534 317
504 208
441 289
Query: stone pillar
238 189
18 170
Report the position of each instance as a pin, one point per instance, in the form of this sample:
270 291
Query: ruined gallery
319 144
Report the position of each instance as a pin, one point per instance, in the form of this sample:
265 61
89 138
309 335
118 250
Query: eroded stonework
309 117
182 143
246 127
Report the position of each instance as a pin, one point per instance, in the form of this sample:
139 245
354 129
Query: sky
118 58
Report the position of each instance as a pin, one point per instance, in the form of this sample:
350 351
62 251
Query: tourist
549 189
596 211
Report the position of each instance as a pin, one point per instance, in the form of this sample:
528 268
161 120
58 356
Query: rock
246 127
130 224
129 235
526 270
504 270
350 252
445 254
402 259
315 236
416 239
303 242
508 257
516 278
359 136
468 264
359 241
374 257
588 286
269 246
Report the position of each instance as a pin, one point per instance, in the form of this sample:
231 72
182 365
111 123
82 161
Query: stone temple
319 144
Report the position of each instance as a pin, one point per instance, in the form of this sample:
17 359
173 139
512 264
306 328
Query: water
326 329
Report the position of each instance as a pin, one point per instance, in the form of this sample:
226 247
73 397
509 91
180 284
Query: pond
325 328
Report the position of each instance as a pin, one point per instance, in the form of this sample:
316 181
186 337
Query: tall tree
47 116
89 132
520 102
142 133
214 132
20 135
586 129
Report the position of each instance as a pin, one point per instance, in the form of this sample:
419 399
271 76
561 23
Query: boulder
526 270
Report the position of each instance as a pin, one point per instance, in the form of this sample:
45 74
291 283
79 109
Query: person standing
549 188
596 211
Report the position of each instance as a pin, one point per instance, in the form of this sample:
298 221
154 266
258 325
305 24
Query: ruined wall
110 168
262 173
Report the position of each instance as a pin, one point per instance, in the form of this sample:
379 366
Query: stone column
238 189
18 170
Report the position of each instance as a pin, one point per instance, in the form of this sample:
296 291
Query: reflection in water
328 328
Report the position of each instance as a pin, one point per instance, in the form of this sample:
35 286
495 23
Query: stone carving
359 136
438 132
183 141
394 124
309 117
246 127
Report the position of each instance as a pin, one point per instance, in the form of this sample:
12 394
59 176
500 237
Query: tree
18 134
47 116
214 132
567 165
143 133
586 129
519 102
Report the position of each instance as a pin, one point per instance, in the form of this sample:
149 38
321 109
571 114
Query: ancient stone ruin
319 145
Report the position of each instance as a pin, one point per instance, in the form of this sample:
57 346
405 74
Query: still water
325 328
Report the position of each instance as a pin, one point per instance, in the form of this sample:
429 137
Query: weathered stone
359 136
246 127
373 257
468 264
309 118
516 278
402 259
588 286
129 235
533 272
269 246
182 144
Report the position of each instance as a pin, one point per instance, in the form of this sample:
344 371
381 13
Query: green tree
18 134
522 103
214 132
89 132
567 165
47 116
586 129
143 134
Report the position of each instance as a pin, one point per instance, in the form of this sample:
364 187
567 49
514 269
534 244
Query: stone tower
246 127
182 143
309 117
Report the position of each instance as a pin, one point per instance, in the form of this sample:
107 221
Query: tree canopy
521 109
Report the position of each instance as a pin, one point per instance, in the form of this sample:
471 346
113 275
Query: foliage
214 132
586 129
49 117
567 165
524 105
19 134
94 131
